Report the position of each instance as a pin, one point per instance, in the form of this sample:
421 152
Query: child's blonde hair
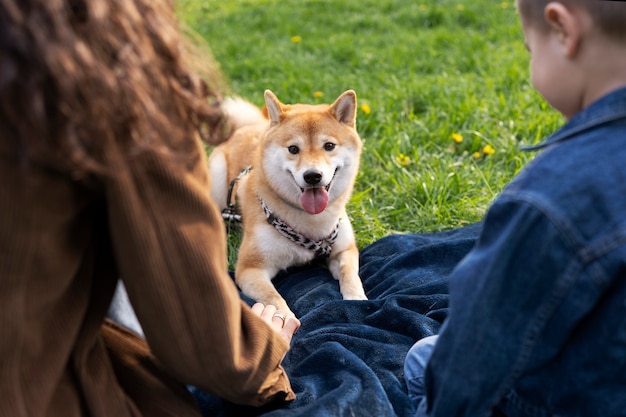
609 16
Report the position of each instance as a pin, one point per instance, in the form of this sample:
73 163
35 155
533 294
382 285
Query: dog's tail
240 112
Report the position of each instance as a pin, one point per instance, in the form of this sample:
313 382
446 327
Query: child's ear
567 25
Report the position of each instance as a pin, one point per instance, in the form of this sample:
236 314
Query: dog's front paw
351 288
359 295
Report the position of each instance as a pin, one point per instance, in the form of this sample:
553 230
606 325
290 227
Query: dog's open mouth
314 200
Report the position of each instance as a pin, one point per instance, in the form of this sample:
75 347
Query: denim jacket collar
607 109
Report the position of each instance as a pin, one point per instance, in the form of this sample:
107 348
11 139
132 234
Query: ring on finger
280 315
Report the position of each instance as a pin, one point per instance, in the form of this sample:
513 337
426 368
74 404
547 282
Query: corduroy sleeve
170 247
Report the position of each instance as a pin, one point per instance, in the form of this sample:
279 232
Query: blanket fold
347 358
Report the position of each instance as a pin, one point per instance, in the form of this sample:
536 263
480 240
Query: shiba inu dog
304 160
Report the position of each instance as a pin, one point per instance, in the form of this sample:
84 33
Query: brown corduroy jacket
63 245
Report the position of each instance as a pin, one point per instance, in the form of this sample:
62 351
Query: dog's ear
344 108
274 107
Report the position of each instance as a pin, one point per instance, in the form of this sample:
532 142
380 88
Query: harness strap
230 212
320 247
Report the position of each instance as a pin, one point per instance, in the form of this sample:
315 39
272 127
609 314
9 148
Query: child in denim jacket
537 319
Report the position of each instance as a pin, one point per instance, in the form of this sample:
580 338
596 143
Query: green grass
426 70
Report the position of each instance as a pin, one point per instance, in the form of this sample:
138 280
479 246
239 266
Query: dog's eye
329 146
293 149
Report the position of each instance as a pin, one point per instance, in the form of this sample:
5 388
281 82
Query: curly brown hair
77 73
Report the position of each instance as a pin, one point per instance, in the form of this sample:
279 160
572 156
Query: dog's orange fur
277 178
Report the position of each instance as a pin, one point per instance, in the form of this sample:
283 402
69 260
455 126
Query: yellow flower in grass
488 150
403 160
318 94
296 39
423 7
457 137
460 7
365 108
504 5
476 155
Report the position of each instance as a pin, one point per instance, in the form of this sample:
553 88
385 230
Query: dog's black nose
312 177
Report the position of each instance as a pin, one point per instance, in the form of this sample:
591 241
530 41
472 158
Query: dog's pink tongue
314 200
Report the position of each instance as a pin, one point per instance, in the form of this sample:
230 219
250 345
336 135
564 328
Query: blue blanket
347 358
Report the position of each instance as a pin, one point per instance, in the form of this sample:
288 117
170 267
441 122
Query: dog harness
230 213
320 247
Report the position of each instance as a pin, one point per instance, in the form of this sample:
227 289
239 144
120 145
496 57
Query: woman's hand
284 323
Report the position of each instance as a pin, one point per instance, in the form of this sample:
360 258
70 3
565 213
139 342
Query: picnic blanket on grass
347 358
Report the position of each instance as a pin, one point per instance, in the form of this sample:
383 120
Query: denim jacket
537 323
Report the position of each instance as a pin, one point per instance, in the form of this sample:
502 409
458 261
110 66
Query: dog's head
310 153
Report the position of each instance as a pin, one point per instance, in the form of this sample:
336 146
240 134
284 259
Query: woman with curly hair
102 175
